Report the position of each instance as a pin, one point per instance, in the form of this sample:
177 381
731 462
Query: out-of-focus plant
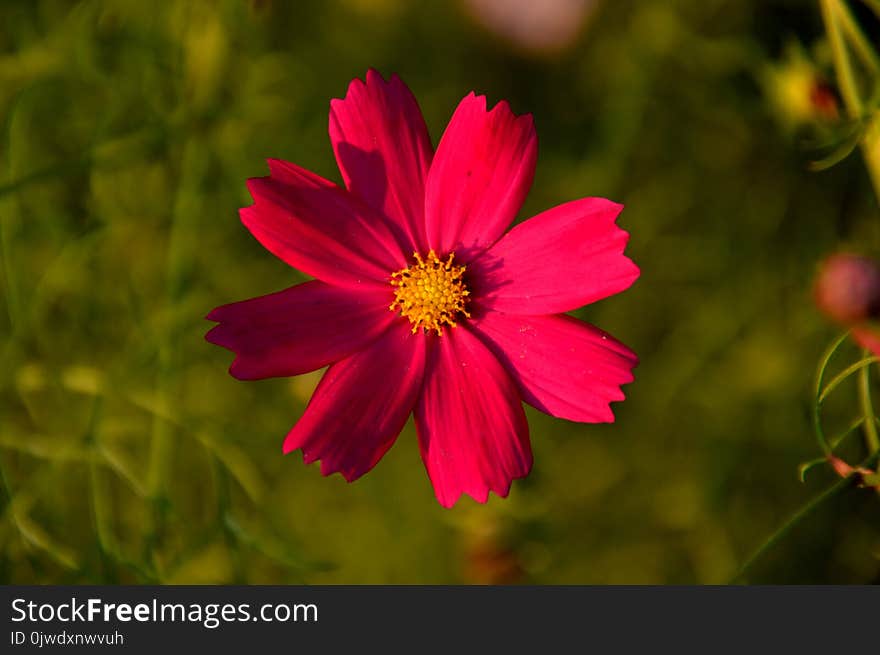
799 92
542 28
853 53
847 287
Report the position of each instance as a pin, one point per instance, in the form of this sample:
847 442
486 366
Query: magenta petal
561 259
299 329
480 175
564 367
320 228
472 429
384 151
361 405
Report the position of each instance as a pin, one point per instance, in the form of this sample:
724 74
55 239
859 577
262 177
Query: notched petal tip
630 275
357 85
448 502
373 76
254 186
288 446
275 166
215 334
482 495
326 466
327 469
620 396
238 369
503 107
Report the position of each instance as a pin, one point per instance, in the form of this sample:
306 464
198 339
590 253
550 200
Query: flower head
421 304
848 288
798 91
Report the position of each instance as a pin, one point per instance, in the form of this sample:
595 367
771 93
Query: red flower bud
848 288
824 100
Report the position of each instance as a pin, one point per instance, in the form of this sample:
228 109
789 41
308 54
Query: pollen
431 293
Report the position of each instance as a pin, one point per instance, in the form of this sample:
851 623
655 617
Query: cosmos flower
421 304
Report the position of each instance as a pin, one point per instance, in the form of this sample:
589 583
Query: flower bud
847 288
824 101
798 92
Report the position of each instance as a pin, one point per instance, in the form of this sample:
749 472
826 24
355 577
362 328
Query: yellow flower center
430 293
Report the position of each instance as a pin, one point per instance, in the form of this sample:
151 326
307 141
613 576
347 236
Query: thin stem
860 42
826 359
871 438
804 511
835 442
874 5
831 11
820 379
860 365
855 425
842 65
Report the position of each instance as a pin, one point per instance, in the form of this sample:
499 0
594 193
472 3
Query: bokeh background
127 131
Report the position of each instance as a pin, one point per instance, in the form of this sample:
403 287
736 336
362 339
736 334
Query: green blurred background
127 452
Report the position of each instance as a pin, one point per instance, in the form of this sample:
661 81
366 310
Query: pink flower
847 290
544 27
421 303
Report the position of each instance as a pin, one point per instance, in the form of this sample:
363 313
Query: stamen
430 293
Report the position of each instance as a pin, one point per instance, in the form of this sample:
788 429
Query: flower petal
561 259
361 405
383 150
472 429
480 175
320 228
564 367
299 329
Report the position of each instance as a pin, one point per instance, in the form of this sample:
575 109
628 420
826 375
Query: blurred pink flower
847 290
421 304
543 26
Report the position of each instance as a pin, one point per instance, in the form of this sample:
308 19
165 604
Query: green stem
860 365
842 65
799 515
817 392
825 360
871 438
871 151
832 12
874 5
860 42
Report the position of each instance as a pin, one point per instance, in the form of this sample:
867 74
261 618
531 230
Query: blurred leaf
273 548
238 464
